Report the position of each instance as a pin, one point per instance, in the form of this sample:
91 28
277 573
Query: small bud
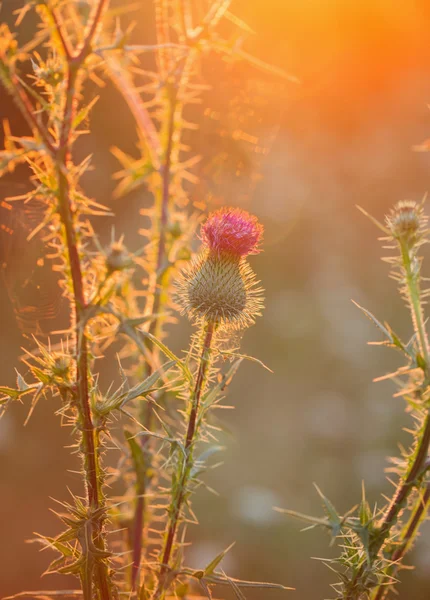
62 366
219 285
175 229
406 221
118 257
183 253
59 370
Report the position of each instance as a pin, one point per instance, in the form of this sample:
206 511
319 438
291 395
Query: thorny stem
61 157
67 213
411 266
186 466
143 120
156 294
417 516
22 101
415 469
59 28
162 205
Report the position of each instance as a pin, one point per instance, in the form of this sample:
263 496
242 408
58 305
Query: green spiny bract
220 288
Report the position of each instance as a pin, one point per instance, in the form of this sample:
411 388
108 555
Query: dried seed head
406 220
232 231
219 285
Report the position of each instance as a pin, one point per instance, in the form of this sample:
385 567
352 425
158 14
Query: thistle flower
219 285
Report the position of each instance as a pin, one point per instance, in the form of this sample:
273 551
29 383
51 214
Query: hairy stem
408 536
186 465
412 287
410 267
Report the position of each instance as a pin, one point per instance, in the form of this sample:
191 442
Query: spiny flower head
407 221
219 285
233 231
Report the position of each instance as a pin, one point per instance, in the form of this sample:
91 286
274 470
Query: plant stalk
90 446
422 445
417 517
415 469
178 500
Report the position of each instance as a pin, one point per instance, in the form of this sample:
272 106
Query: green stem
411 478
186 465
422 445
417 517
410 264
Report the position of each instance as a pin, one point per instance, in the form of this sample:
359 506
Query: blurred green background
343 136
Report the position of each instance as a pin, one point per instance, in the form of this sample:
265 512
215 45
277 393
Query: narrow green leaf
83 113
334 519
141 320
315 521
147 385
138 459
41 375
375 321
216 561
181 364
10 392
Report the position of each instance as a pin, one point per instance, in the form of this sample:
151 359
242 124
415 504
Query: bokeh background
343 136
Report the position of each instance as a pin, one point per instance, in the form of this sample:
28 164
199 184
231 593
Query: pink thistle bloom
232 231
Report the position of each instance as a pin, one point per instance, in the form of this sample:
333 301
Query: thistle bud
219 285
406 221
118 257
